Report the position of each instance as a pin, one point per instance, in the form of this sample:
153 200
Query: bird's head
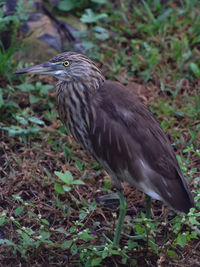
69 67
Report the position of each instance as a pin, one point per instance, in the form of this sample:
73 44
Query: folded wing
131 145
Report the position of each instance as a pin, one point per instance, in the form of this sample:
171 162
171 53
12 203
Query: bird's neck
73 99
88 84
85 85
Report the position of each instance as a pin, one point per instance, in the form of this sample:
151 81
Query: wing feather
129 142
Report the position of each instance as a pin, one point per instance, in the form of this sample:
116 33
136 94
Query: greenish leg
122 214
148 206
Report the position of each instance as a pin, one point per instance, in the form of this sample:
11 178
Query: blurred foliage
9 25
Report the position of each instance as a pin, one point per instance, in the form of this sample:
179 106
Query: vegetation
49 212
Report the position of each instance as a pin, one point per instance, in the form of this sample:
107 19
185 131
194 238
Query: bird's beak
45 68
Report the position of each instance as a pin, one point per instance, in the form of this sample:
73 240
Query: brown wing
131 145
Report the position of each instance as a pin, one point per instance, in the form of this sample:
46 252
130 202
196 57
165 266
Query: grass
51 206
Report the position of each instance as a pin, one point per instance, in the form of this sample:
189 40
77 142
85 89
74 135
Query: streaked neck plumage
74 94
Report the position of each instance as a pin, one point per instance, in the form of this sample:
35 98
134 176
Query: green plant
10 25
28 125
68 181
182 235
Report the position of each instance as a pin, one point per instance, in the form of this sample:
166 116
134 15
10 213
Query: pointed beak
45 68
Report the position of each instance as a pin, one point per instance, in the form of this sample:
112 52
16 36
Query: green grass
50 185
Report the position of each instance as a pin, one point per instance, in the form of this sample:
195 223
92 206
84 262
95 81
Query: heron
118 130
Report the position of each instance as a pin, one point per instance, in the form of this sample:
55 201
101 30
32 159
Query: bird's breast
73 112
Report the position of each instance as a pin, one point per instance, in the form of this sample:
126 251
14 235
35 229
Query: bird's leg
148 206
148 216
122 214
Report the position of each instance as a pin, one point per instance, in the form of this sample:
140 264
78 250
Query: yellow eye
66 63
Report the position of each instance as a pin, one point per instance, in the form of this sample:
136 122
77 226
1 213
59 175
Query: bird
118 130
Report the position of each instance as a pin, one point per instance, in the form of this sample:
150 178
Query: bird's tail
177 194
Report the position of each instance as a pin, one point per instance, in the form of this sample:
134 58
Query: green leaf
2 220
33 99
195 69
66 188
133 262
16 130
101 34
44 234
59 189
66 244
132 244
11 104
172 254
1 101
26 238
79 164
45 221
196 39
78 182
114 251
91 17
7 242
61 230
87 44
164 15
149 11
153 245
65 177
36 120
86 236
139 229
73 249
105 254
45 89
25 87
67 5
72 229
17 197
96 261
124 261
82 215
99 1
18 210
21 119
29 231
